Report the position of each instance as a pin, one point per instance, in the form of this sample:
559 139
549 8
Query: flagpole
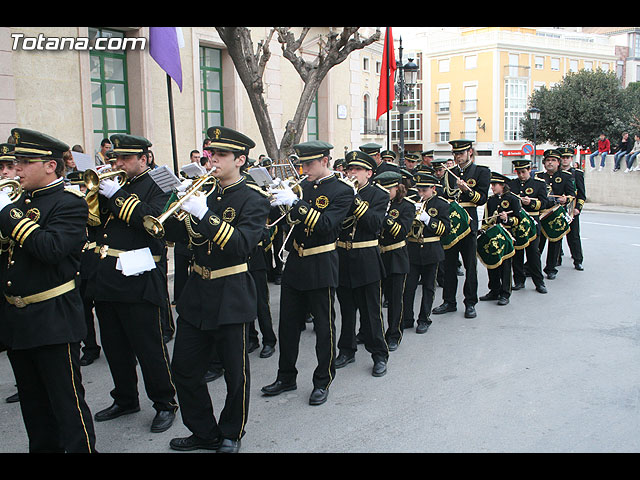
173 127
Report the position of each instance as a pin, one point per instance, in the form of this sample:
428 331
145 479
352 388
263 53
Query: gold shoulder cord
451 192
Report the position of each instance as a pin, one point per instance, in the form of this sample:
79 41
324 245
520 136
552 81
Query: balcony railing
517 71
371 126
443 107
469 135
442 136
467 106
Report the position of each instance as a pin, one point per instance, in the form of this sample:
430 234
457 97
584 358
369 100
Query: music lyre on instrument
155 226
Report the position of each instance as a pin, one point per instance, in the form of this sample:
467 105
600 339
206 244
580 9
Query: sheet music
165 178
192 170
261 176
83 161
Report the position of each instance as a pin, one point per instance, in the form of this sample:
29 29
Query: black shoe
88 359
470 312
541 289
518 286
359 339
267 351
489 296
114 411
503 301
551 275
444 308
185 444
163 420
229 446
13 398
392 345
318 396
211 375
167 338
579 266
277 387
278 280
385 304
422 327
379 368
460 272
253 345
343 360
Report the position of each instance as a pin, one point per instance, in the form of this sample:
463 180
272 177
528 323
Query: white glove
184 186
418 206
284 196
196 205
108 187
424 217
4 199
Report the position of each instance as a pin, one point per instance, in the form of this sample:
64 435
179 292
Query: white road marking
611 225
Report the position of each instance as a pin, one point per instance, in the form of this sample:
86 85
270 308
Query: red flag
386 94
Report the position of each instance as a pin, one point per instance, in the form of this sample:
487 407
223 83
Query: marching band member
361 268
469 183
42 321
573 237
561 189
219 299
394 253
129 303
425 249
533 198
310 275
503 207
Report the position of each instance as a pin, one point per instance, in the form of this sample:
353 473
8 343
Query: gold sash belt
305 252
393 246
209 274
22 302
105 250
350 245
423 239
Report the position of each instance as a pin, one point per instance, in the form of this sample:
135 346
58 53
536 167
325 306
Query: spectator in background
101 155
69 163
623 149
604 147
194 156
631 156
206 154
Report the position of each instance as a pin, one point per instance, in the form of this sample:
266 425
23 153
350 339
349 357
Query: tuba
92 178
155 225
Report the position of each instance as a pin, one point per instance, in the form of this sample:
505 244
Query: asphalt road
546 373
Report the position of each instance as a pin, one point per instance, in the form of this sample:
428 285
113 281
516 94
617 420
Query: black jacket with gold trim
478 177
428 252
534 188
581 189
361 266
225 237
46 228
507 202
395 228
121 228
559 183
317 221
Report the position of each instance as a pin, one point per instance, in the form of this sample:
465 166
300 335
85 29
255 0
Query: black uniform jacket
534 188
47 228
121 228
425 247
361 266
395 228
507 202
478 177
581 190
318 216
225 238
559 183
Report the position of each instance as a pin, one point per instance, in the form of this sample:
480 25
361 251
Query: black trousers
295 305
134 330
394 288
467 249
192 353
367 300
181 264
500 279
534 265
553 254
265 321
429 275
90 343
55 413
574 242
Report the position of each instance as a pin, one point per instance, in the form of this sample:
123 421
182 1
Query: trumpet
14 187
155 225
92 178
294 185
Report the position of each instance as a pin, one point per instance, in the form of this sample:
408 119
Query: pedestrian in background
604 147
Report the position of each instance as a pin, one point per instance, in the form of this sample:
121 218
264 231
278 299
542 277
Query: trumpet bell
153 226
92 178
13 186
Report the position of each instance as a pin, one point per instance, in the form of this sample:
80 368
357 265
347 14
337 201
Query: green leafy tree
583 105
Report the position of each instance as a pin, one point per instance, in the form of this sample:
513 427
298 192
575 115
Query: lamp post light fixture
407 79
534 114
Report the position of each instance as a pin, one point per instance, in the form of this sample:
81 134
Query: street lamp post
408 77
534 113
